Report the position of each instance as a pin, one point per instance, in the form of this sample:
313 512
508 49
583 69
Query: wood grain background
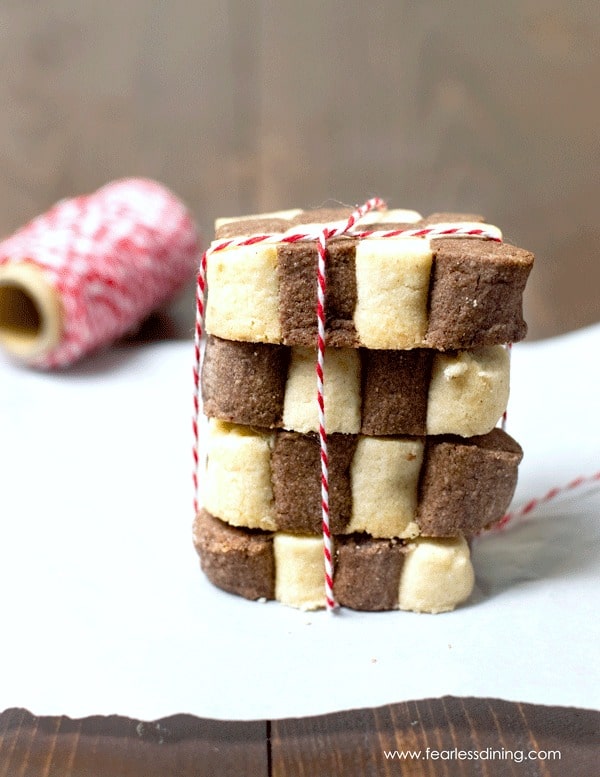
244 106
344 744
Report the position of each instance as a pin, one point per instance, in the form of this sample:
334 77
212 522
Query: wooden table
351 744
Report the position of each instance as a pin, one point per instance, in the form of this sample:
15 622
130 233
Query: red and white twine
321 236
327 541
326 234
504 420
549 496
112 257
200 300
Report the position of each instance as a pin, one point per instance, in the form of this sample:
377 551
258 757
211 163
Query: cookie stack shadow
416 382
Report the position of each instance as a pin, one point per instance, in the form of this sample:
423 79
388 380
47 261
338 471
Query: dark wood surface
352 744
244 107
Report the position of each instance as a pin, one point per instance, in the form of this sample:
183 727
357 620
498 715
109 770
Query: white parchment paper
104 609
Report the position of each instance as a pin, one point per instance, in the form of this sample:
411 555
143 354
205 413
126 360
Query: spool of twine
91 269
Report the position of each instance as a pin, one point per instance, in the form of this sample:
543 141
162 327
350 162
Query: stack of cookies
416 381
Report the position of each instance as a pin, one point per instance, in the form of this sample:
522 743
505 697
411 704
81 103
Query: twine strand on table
533 504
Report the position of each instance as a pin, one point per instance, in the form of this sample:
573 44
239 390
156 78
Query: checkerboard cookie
423 575
372 392
441 486
416 379
382 293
